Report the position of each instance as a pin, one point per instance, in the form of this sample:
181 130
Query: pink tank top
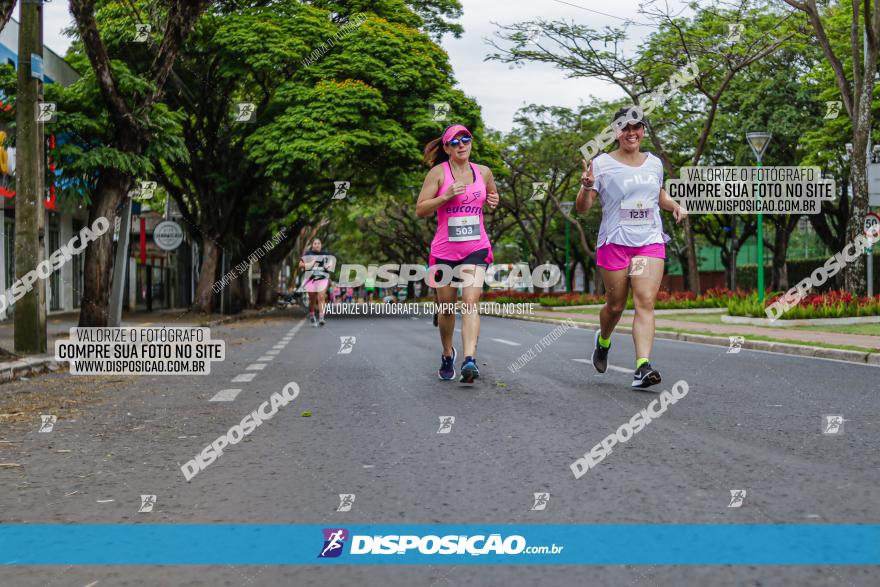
460 229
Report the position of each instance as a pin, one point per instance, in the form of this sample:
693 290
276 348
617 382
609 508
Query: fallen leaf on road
9 465
105 500
306 414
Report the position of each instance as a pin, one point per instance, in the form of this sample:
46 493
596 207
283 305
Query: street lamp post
566 209
758 141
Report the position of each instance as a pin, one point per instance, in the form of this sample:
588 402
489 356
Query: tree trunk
693 272
683 262
268 282
779 281
204 298
239 292
854 275
98 267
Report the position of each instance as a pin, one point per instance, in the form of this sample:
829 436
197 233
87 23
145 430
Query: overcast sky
499 90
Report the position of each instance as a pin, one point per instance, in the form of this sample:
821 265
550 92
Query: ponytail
434 153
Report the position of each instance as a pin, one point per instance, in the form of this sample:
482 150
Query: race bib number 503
463 228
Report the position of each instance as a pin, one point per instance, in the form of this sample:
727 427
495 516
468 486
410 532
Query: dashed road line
244 378
255 367
507 342
225 395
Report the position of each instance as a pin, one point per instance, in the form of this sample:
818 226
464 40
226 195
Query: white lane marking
225 395
612 367
255 367
507 342
278 347
266 358
273 352
244 377
286 339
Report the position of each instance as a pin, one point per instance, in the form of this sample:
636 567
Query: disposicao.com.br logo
334 540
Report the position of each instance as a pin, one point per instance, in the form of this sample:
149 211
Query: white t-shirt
630 199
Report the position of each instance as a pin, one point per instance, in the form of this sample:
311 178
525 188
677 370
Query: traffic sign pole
871 219
120 265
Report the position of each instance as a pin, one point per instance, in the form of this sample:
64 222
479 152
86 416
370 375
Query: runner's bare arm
492 197
668 204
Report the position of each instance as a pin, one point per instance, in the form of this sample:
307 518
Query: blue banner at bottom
479 544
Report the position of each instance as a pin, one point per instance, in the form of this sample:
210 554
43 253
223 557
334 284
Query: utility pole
30 310
869 250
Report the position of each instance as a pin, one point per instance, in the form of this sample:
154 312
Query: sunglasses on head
461 141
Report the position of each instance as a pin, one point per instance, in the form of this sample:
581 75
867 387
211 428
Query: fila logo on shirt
640 179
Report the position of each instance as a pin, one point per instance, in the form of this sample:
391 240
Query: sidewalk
59 325
787 334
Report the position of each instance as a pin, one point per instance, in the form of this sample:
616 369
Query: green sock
640 362
604 342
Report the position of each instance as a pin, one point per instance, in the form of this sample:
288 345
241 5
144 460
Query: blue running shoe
469 370
447 367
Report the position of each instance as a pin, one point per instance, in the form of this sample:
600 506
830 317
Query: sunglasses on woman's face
461 141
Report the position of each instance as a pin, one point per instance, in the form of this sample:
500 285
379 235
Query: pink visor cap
454 130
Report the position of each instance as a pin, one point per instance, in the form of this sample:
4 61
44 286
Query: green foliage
812 307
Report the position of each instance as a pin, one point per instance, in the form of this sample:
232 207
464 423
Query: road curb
25 366
238 317
37 364
756 345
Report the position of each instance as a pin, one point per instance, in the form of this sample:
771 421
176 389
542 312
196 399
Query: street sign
804 224
871 220
37 66
874 184
168 235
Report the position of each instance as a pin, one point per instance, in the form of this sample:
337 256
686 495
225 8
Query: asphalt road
751 421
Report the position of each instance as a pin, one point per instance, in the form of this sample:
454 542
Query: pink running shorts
617 257
317 285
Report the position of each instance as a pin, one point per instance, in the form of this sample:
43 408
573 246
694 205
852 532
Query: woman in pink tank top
457 190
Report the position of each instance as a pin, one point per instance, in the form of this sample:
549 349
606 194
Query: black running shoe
600 355
436 323
469 371
321 320
313 320
646 376
447 367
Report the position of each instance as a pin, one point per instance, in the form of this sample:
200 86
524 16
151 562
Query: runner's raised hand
587 179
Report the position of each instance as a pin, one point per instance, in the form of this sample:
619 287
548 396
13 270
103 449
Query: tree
133 130
856 85
360 112
775 94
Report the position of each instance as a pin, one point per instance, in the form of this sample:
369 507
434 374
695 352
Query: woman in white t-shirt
631 247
